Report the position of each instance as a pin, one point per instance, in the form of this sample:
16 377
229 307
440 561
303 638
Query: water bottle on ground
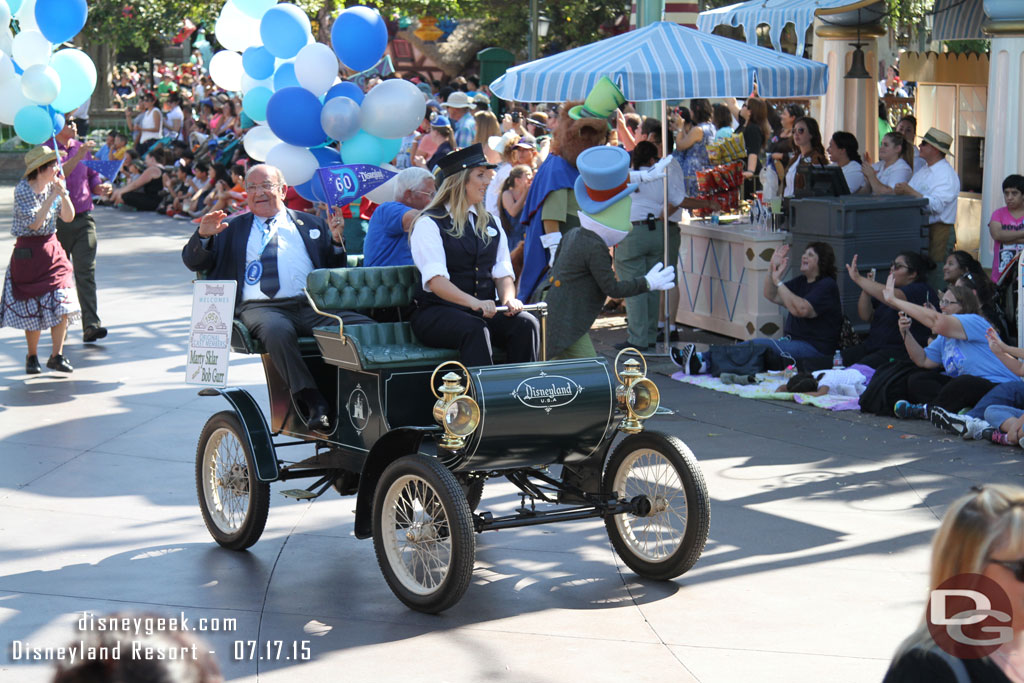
837 360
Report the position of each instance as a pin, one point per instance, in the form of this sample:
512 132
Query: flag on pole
107 169
346 183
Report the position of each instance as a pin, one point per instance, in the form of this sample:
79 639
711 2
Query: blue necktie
269 281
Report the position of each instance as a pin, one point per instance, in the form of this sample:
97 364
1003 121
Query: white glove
549 241
661 277
656 172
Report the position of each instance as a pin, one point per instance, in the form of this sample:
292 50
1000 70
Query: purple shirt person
78 237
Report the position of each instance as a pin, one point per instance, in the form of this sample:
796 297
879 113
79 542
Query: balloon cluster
290 88
37 85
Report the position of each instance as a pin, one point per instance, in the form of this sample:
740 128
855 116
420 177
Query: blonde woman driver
463 259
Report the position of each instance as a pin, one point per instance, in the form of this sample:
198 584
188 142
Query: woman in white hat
38 289
463 259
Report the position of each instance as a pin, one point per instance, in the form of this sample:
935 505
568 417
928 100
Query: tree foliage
142 23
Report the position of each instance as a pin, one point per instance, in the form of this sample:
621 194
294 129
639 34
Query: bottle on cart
837 360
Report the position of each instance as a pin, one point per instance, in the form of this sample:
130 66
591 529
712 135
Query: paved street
815 568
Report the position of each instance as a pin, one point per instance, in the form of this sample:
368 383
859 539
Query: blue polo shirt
386 243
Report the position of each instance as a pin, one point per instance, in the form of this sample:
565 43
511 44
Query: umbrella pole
665 228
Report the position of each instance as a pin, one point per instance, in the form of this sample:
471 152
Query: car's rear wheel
667 540
423 533
234 502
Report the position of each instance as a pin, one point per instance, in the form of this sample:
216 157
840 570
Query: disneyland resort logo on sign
547 391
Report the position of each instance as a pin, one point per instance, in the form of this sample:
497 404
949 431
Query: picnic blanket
770 385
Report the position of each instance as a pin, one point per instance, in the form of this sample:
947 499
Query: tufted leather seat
359 289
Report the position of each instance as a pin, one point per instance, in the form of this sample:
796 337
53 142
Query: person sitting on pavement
957 368
884 342
144 192
999 415
982 533
812 328
387 235
851 381
269 252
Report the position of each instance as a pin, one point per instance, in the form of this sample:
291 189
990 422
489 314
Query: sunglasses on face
1016 566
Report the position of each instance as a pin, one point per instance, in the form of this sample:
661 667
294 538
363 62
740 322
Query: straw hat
38 156
939 140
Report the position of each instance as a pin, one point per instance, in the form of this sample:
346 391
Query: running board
314 491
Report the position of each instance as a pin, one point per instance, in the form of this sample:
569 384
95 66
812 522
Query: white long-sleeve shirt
940 185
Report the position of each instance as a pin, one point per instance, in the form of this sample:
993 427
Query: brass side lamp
636 395
458 413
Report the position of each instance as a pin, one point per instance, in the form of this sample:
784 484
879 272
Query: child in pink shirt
1007 225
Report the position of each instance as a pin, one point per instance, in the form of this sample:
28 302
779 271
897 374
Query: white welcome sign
209 340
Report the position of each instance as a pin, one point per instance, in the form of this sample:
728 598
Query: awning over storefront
958 20
775 13
664 61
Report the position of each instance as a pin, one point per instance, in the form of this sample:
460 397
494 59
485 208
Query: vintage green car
417 435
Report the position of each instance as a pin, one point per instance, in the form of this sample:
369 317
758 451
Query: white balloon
12 100
316 67
26 16
386 192
30 47
40 83
340 118
6 40
5 14
6 67
236 30
259 141
297 164
392 109
248 83
226 70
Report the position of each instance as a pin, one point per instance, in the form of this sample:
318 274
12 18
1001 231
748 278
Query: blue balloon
60 20
33 124
58 120
293 114
258 62
285 30
254 103
285 77
363 148
359 37
346 89
15 5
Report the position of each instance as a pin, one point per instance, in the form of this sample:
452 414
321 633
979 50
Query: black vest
468 259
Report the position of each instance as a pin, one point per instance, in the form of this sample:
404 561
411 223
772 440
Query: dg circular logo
969 616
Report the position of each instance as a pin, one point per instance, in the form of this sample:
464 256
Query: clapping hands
889 292
994 342
780 263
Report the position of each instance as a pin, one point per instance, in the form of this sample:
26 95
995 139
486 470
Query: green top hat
601 103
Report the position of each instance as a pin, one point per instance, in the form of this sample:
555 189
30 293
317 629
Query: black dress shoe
93 332
320 423
627 345
59 362
32 366
673 336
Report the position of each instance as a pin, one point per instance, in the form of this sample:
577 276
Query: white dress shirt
940 185
293 262
854 176
919 163
649 197
898 172
429 256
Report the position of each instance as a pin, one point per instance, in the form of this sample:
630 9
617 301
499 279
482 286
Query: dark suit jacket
225 257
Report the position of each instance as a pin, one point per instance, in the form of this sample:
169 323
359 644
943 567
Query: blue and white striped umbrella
958 20
664 61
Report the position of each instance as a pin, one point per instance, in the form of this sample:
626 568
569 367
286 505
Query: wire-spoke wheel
233 501
423 533
669 539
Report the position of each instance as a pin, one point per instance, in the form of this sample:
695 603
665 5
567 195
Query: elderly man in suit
269 252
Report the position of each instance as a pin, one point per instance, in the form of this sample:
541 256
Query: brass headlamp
458 413
636 395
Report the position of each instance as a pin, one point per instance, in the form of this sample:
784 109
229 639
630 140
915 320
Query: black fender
390 447
256 430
